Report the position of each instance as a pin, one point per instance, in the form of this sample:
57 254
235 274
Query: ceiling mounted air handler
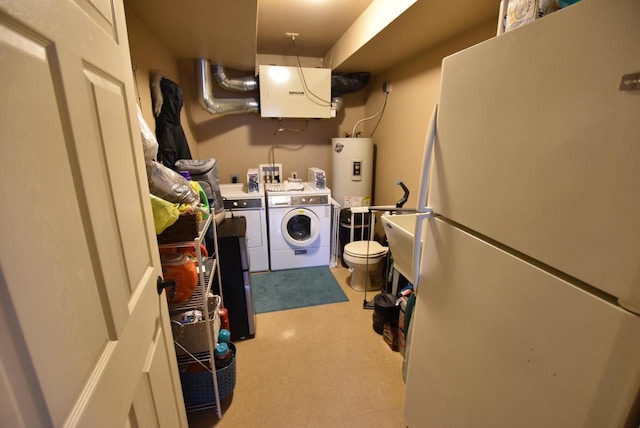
219 105
295 92
287 106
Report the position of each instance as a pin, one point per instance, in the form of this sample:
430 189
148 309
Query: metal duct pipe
242 84
220 105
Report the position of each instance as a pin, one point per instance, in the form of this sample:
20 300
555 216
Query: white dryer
299 226
239 202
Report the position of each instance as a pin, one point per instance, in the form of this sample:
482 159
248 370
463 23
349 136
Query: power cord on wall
272 156
281 129
384 104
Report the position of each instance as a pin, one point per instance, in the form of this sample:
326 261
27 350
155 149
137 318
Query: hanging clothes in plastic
167 99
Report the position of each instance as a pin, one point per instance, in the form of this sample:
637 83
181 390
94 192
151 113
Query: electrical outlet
234 178
386 87
294 174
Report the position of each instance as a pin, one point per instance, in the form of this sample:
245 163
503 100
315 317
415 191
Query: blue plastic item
224 336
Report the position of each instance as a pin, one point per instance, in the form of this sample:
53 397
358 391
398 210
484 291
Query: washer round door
300 227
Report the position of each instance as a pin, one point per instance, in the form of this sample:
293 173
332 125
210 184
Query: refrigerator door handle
417 245
426 165
424 211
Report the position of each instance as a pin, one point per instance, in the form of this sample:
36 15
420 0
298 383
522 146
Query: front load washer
299 227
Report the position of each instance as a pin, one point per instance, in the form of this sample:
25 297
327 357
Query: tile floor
320 366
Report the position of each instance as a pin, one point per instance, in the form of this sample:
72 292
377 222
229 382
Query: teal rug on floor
295 288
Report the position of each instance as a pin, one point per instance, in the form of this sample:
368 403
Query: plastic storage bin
197 387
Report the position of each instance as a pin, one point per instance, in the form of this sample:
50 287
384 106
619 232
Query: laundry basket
197 387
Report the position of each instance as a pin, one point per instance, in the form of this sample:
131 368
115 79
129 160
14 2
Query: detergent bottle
222 355
224 336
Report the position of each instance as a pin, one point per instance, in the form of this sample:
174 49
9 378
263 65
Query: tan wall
400 137
243 141
149 54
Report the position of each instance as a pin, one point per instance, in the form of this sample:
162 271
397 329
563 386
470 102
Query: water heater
352 173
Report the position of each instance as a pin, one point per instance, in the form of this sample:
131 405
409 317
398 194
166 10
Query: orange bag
183 270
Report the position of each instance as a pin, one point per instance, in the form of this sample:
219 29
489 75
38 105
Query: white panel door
497 342
538 147
85 335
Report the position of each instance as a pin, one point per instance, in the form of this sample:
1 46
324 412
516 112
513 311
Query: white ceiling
232 33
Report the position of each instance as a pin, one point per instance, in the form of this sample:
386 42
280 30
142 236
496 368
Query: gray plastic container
205 172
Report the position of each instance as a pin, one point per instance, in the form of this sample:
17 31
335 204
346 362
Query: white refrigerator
528 298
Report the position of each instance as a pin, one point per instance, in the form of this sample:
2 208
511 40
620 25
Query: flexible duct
344 83
220 105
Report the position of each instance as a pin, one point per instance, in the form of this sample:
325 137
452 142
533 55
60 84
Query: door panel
110 111
159 382
498 342
101 13
90 334
537 146
45 280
